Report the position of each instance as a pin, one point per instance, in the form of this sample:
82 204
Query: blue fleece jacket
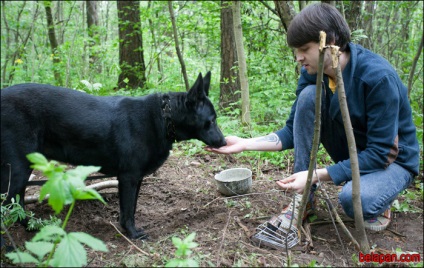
379 111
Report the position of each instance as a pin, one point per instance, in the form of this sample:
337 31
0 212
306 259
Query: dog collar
167 115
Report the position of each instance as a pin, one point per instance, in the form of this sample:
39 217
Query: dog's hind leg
14 177
129 187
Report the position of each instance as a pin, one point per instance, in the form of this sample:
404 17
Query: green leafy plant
89 87
52 245
183 252
13 212
409 197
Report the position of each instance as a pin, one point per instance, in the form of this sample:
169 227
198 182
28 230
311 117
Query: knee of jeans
369 206
345 199
306 98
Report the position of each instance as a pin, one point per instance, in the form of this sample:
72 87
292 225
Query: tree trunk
93 34
367 21
229 82
333 3
414 66
285 11
238 35
156 54
177 45
53 42
131 59
302 4
353 14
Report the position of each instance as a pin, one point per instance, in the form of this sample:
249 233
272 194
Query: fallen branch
307 232
333 211
396 233
327 222
129 241
97 186
245 229
242 195
218 254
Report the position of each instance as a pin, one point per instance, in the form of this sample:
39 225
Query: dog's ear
196 93
207 83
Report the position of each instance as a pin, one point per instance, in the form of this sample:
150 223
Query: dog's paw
138 234
141 235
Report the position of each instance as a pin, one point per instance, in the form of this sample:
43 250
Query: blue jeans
378 190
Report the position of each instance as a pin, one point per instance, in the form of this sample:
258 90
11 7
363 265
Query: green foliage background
26 55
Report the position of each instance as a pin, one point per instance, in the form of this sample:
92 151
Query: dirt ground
181 197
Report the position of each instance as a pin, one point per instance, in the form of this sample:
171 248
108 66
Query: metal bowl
234 181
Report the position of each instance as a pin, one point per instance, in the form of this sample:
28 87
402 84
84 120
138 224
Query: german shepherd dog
129 137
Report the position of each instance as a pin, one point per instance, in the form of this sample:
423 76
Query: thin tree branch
177 45
317 129
353 155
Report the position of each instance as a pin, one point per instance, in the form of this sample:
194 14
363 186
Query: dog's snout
223 142
218 142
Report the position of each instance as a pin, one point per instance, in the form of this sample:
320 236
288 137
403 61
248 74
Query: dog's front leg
129 186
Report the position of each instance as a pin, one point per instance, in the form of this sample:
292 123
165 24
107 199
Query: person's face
308 55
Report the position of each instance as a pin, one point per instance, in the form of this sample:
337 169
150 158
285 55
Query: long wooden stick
353 156
317 130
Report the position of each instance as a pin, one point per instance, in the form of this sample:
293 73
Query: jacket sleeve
382 114
286 133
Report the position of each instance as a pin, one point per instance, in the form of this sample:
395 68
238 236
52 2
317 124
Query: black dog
128 137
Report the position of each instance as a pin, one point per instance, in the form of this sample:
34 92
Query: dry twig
222 241
129 241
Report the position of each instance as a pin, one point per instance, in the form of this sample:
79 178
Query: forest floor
181 198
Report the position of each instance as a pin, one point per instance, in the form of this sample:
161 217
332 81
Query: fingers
287 186
288 179
221 150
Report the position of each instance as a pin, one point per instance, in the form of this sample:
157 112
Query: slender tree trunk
156 54
230 82
93 34
177 45
285 11
53 42
302 4
333 3
131 59
367 21
414 66
354 14
6 53
238 34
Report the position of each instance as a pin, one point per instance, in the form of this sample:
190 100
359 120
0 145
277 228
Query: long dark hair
306 25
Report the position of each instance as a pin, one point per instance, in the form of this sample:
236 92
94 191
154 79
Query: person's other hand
295 182
234 145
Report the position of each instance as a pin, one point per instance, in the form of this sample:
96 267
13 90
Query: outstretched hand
234 145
